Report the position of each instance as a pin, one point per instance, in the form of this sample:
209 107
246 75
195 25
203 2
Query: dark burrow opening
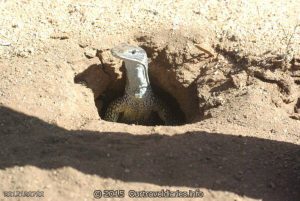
116 89
107 81
102 102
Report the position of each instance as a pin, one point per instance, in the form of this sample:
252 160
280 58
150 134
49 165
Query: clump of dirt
104 78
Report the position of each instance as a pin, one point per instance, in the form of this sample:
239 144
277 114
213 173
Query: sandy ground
230 70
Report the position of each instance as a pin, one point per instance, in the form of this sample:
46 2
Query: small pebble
90 53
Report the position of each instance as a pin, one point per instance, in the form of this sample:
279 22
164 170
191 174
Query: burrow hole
107 81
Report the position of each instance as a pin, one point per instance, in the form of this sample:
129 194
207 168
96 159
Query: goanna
139 103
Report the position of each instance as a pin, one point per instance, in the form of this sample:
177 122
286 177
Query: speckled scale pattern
130 110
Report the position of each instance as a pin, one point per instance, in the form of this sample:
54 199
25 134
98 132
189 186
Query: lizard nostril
133 51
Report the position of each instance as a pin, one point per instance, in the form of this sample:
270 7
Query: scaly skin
138 102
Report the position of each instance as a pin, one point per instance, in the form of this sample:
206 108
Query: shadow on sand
254 167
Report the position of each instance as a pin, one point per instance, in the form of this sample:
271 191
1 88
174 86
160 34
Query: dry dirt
229 69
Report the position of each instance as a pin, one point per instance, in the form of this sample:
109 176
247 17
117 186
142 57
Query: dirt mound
190 75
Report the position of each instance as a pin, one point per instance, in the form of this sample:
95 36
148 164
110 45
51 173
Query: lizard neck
137 82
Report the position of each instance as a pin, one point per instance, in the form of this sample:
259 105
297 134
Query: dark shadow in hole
103 82
167 98
248 166
105 91
223 87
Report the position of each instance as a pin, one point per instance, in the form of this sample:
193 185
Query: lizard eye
133 51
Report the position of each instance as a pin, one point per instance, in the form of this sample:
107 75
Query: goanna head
131 53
